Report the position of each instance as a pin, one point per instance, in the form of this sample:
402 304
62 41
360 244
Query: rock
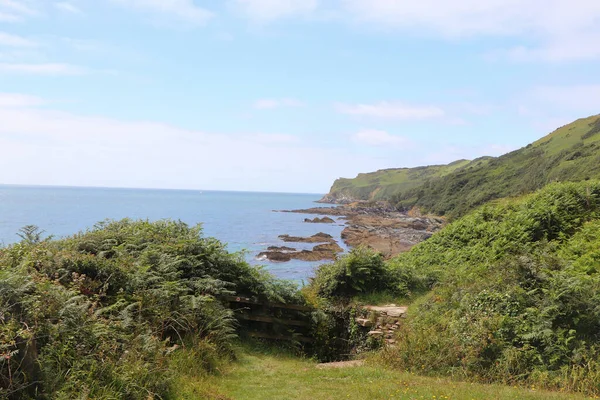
310 255
277 256
328 251
375 334
280 248
317 220
380 226
316 238
367 323
332 247
388 310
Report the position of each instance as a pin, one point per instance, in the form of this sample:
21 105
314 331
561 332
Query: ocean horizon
244 220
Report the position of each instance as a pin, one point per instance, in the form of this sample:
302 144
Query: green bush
360 271
102 314
514 293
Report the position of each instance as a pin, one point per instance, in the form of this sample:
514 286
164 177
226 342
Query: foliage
514 293
360 271
105 313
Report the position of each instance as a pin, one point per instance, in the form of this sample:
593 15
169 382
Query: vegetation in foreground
507 294
103 314
271 374
571 153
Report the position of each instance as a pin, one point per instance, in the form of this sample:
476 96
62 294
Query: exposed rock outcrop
328 251
317 220
280 248
316 238
380 226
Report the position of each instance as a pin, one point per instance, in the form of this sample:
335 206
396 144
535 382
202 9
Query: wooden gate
275 321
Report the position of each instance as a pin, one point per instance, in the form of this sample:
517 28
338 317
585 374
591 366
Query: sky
282 95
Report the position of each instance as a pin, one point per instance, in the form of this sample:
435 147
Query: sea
245 221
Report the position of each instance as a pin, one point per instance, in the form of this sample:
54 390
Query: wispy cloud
183 10
19 100
43 69
554 30
391 110
19 7
269 10
16 11
7 39
99 151
374 137
67 7
268 104
7 17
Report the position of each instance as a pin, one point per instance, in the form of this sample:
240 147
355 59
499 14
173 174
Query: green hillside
571 153
508 293
384 183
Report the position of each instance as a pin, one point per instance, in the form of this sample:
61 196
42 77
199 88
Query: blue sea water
243 220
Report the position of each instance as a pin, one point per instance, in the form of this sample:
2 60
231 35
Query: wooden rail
266 320
247 300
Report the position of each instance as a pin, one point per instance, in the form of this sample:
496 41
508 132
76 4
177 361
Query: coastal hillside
508 293
383 184
571 153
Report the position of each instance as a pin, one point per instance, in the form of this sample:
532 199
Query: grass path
265 376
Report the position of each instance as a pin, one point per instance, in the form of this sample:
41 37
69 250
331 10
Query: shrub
360 271
102 314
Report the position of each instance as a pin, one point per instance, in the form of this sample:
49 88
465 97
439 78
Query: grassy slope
571 153
260 375
384 183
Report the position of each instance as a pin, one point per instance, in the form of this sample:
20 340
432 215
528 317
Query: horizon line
149 188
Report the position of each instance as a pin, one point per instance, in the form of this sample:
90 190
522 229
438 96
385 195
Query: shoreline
379 226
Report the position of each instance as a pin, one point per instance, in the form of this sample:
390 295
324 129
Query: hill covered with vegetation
571 153
508 293
383 184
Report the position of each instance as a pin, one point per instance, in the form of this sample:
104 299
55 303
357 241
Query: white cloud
6 17
19 100
67 149
560 30
43 69
391 110
183 10
268 10
6 39
67 7
18 7
373 137
267 104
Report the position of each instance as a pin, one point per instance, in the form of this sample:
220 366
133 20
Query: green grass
384 183
265 375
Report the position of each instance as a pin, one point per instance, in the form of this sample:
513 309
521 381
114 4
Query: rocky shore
325 251
380 226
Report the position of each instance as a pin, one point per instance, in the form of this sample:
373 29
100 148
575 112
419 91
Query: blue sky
282 95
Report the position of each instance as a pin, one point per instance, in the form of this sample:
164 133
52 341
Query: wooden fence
275 321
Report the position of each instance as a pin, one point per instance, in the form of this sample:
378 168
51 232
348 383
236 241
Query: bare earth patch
341 364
